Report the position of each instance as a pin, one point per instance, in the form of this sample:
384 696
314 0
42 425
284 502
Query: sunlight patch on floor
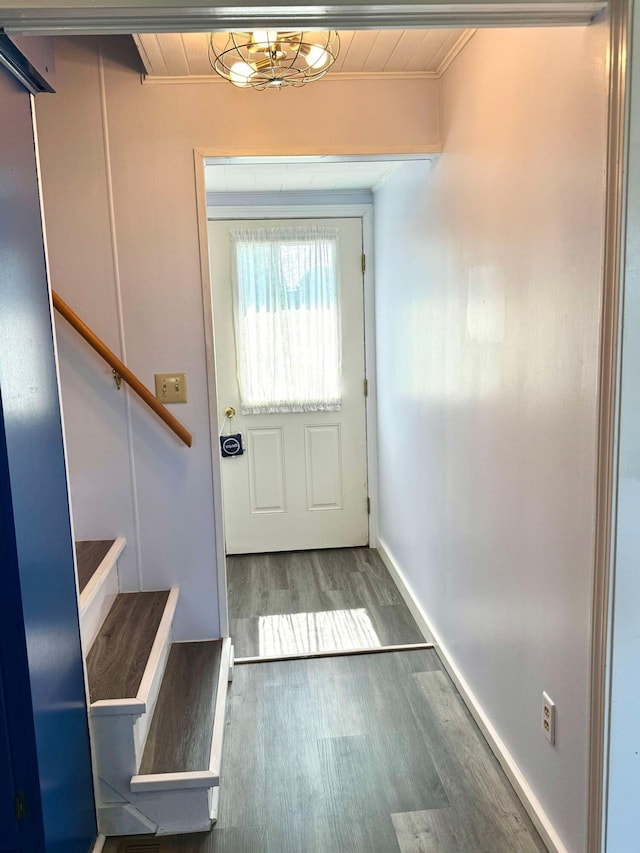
311 633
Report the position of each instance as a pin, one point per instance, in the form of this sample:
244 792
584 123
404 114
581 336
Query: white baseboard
97 847
517 779
405 590
219 713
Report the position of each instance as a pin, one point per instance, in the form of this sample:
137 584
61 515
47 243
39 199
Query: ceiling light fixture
265 59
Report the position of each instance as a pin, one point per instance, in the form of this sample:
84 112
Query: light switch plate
171 387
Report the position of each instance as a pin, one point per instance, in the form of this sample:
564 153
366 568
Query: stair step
89 555
184 743
179 739
125 669
120 663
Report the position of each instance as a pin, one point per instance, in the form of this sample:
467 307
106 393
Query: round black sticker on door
231 445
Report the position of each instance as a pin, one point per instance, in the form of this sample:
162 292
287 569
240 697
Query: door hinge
368 506
19 806
366 387
364 263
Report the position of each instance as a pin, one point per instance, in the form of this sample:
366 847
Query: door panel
266 470
323 467
302 482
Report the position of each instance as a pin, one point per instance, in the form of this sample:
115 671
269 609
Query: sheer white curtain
287 319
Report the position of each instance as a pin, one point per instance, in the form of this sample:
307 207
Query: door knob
229 412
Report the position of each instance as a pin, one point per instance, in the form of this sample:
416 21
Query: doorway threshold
334 653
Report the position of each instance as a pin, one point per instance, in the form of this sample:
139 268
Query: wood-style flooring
357 754
89 554
301 602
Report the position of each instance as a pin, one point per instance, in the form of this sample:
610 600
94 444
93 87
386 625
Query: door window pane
287 319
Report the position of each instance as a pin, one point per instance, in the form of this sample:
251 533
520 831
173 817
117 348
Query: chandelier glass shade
271 60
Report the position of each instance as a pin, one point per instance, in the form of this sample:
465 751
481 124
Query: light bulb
240 74
316 56
262 39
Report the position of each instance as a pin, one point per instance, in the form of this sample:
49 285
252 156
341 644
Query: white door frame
618 131
613 282
275 211
33 17
121 16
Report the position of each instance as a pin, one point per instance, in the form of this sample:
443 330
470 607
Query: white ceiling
298 177
418 53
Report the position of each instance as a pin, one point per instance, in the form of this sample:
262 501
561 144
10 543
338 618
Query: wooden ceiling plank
447 46
415 61
423 60
368 63
196 47
405 48
384 44
346 37
359 50
154 54
173 51
139 43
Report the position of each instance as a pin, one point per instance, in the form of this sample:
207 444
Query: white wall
488 287
120 206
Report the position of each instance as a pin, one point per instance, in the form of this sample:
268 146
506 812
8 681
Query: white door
302 480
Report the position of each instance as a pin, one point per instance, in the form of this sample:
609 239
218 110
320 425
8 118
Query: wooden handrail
130 378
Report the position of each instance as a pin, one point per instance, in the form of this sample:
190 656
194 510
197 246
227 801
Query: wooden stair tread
179 739
89 554
119 655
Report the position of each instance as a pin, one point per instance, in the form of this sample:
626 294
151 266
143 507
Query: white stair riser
162 813
99 594
106 794
123 819
226 666
94 614
143 722
115 752
176 812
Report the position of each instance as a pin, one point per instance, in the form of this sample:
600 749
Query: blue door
9 826
44 738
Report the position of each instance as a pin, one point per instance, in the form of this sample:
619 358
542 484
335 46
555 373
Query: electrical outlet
549 718
171 387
